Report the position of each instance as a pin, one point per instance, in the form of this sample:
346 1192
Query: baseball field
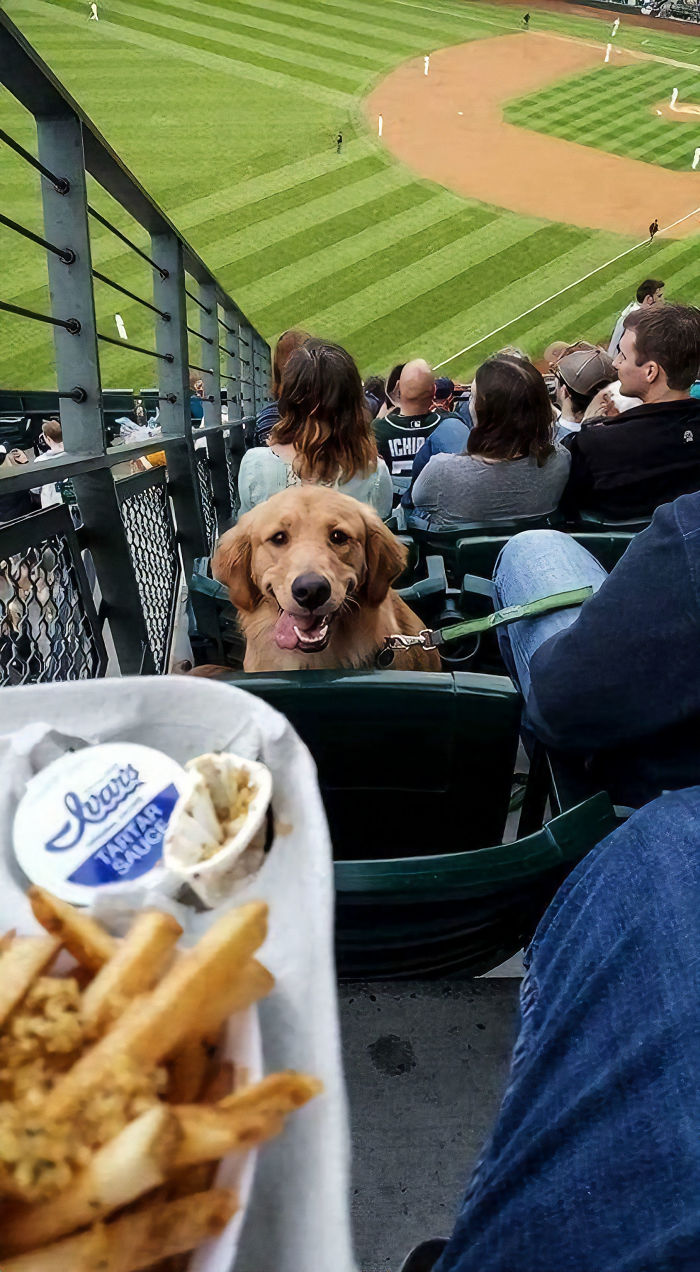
505 178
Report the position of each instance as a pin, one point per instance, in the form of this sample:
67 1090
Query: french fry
155 1024
20 964
136 1240
131 1164
252 983
188 1071
248 1117
86 940
135 967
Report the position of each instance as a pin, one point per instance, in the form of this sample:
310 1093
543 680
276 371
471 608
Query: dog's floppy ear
385 557
233 565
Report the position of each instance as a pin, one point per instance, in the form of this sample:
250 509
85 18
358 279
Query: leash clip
424 639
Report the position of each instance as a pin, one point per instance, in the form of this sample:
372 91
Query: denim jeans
594 1162
534 564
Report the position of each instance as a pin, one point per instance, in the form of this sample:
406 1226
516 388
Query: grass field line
213 61
634 248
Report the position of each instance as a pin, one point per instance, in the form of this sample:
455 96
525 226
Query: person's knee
527 546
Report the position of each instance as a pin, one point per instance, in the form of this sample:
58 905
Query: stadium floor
227 111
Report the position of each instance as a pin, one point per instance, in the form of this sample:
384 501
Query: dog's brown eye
339 536
279 539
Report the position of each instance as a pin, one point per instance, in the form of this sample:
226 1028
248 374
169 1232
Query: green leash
473 626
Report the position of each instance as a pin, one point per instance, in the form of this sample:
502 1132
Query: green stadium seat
428 757
461 911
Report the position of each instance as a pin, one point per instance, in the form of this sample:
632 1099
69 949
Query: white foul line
554 295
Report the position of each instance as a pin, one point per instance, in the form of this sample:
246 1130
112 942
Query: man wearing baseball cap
581 372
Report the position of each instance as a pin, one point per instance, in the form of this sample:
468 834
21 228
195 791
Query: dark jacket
627 467
267 418
621 685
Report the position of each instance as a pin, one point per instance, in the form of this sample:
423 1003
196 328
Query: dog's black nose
310 590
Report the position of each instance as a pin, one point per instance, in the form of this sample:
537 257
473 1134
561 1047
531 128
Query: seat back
460 911
408 762
446 542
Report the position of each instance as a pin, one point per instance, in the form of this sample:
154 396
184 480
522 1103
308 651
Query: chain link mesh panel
46 632
232 483
207 497
150 532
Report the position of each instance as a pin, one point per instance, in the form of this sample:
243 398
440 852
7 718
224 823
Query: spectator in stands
615 683
649 293
15 503
593 1162
444 393
581 372
58 492
391 391
403 430
651 454
196 396
374 390
323 434
553 353
512 466
269 415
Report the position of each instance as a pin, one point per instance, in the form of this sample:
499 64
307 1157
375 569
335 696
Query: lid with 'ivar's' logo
97 818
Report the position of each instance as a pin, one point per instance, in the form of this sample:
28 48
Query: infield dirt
448 126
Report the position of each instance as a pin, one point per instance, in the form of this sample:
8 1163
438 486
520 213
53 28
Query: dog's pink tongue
285 635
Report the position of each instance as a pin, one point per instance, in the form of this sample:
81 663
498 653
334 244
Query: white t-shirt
619 326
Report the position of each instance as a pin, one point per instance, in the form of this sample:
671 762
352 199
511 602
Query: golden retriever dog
310 573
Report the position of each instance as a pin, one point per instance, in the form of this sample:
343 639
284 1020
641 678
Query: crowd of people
609 431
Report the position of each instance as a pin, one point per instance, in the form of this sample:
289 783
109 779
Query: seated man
615 682
581 372
649 293
444 392
403 430
651 454
594 1162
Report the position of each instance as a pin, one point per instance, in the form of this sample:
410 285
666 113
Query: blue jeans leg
594 1162
534 564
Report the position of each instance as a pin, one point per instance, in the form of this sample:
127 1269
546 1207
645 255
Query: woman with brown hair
269 415
512 466
323 435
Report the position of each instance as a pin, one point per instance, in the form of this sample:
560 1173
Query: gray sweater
455 488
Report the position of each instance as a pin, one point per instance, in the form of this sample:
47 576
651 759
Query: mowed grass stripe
486 313
360 28
393 16
512 262
314 238
378 301
412 250
350 200
221 64
287 34
285 175
190 33
301 195
279 284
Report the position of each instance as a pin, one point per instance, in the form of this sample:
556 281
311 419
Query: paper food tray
294 1210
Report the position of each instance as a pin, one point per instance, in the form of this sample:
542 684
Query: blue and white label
97 818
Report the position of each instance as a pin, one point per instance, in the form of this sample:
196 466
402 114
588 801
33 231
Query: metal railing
138 534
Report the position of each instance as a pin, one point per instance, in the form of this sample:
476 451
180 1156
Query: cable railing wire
71 325
60 184
200 334
124 344
197 301
205 370
132 295
65 254
118 234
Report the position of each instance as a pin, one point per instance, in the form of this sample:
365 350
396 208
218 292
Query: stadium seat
408 762
447 542
466 911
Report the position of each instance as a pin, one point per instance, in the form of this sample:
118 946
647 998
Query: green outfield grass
227 111
613 109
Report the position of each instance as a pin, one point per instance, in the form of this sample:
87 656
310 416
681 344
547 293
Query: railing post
60 145
247 377
232 364
171 339
216 448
